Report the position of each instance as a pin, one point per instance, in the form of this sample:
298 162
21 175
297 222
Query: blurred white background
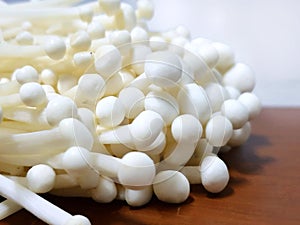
265 34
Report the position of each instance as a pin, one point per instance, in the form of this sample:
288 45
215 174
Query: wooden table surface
264 187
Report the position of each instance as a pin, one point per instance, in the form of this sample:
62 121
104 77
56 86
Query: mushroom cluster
94 104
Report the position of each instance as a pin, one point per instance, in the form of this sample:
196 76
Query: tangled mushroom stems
95 104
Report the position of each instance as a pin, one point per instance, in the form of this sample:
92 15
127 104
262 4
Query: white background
265 34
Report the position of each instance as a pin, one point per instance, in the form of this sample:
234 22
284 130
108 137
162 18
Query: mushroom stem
192 173
17 51
26 159
32 202
27 115
76 158
9 88
44 3
88 91
83 12
10 100
54 48
9 65
186 130
61 181
70 132
14 127
7 208
143 131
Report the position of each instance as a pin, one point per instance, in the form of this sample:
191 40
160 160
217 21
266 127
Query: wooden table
264 187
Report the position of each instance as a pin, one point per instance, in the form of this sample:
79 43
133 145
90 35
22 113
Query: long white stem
25 159
8 65
28 116
17 51
192 173
32 202
21 127
45 3
41 13
8 207
30 143
61 181
10 100
70 132
9 88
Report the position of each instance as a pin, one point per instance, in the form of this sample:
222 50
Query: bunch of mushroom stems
94 104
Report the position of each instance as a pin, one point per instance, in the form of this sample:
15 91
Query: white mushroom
252 103
137 170
54 48
171 186
241 77
164 104
163 68
214 174
40 178
186 130
193 100
218 130
30 94
226 56
236 112
142 132
140 197
133 101
41 208
110 111
70 132
89 89
240 136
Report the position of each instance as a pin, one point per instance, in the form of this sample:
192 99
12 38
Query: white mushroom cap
241 77
55 48
214 174
60 108
218 130
26 74
78 220
240 136
133 101
108 60
164 104
171 186
32 94
105 192
163 68
110 111
40 178
186 128
236 112
137 170
252 103
140 197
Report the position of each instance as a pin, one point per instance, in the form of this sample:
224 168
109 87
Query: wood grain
264 187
